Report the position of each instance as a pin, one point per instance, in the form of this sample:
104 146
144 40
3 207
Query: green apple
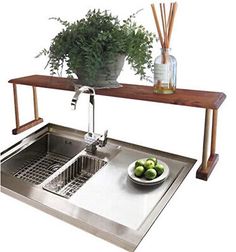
149 164
150 174
159 168
153 159
140 162
139 171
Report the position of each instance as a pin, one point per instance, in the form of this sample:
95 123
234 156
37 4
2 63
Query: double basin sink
51 170
49 153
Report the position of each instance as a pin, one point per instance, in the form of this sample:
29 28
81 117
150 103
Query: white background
201 215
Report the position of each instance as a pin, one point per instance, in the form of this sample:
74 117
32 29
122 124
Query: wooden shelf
185 97
210 101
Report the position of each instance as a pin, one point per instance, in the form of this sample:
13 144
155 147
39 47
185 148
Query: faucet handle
105 134
103 139
91 138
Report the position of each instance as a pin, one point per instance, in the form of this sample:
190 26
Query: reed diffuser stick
157 24
169 16
172 21
162 21
167 24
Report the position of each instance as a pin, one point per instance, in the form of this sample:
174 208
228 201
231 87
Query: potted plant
94 48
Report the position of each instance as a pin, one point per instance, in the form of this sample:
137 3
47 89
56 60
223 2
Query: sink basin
41 155
75 175
51 171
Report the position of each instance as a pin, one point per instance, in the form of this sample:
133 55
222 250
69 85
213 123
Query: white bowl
143 180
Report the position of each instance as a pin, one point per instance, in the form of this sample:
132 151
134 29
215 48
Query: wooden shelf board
185 97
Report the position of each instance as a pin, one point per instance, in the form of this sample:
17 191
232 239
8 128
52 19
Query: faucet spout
83 89
91 109
91 138
74 100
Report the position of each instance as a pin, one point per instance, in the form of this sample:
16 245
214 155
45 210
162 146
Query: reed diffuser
165 65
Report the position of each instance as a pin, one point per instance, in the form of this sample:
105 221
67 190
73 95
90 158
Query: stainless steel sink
75 175
42 155
51 171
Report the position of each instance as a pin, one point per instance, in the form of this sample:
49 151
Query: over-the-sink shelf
210 101
186 97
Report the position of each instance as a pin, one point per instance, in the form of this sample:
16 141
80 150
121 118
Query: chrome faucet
91 138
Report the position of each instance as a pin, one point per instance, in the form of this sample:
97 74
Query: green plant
88 44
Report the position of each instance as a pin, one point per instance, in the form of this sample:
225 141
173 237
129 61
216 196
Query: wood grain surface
185 97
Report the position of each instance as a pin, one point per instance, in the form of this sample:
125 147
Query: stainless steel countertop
108 205
111 194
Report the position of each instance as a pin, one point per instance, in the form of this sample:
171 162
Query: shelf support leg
35 99
208 164
16 106
213 134
206 139
21 128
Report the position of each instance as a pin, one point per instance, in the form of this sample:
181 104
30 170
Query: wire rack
41 167
74 176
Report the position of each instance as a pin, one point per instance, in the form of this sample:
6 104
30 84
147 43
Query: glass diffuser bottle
165 68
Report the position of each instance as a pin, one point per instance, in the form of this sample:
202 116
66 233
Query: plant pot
106 76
